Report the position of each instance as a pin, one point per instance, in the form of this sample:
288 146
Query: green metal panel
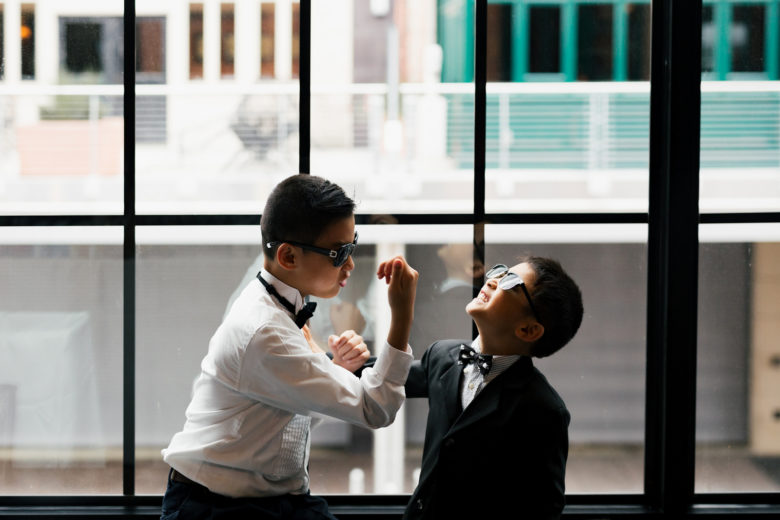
772 40
519 41
455 30
569 40
722 15
620 41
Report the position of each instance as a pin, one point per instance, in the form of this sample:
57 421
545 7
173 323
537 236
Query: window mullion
128 325
675 101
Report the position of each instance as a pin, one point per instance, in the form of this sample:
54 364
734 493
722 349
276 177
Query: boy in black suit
496 440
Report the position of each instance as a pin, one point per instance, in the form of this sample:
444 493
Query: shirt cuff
393 365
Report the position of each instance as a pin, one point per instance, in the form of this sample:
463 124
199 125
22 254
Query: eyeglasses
339 255
508 281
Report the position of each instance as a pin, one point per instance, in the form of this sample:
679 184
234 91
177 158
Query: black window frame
673 220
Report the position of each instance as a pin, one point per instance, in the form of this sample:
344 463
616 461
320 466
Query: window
28 41
296 40
267 53
638 42
499 46
747 39
594 35
227 42
196 41
544 39
121 246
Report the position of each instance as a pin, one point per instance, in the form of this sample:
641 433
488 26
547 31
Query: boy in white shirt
244 448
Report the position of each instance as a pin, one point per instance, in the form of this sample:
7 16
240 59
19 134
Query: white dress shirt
247 425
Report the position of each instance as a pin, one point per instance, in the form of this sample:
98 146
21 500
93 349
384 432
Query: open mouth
483 297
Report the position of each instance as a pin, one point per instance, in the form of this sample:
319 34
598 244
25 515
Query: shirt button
471 386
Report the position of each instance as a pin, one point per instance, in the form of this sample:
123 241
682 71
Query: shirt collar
500 362
288 292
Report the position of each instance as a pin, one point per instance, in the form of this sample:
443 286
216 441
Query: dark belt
178 477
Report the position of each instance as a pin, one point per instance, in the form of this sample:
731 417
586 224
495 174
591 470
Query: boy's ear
529 331
286 256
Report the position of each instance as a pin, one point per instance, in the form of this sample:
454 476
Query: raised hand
349 350
401 279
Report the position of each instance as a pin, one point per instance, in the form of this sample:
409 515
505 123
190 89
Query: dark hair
558 303
300 207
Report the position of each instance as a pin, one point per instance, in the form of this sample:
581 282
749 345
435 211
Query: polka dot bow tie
468 355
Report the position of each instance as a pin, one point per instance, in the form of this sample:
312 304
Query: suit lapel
487 400
450 381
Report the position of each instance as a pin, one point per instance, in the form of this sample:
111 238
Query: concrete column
46 37
12 22
389 443
283 40
247 50
212 32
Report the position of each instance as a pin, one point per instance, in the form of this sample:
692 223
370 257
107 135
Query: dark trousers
185 501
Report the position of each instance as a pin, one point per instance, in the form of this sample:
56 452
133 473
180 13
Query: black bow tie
304 314
468 355
300 317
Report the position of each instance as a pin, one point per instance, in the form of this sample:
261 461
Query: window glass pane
738 130
737 403
61 147
215 138
594 34
606 399
60 361
572 146
383 123
202 266
208 266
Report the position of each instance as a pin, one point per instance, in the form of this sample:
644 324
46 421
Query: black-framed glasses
507 280
339 255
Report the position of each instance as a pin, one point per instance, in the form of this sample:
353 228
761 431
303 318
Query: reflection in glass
383 124
737 427
60 361
600 374
209 276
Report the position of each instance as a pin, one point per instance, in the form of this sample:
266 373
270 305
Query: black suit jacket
503 457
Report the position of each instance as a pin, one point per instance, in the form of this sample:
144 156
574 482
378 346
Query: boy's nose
349 264
492 283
